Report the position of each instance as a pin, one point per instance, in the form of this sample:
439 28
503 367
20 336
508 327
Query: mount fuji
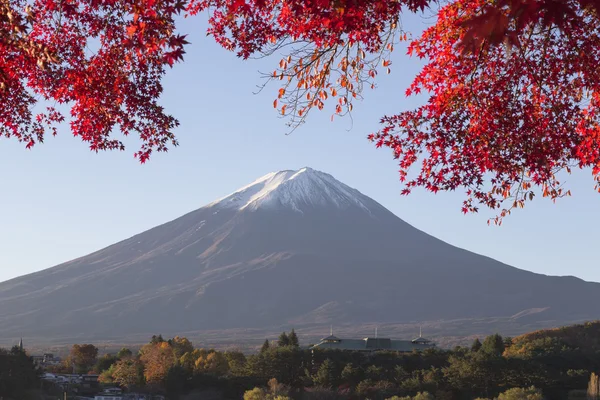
292 247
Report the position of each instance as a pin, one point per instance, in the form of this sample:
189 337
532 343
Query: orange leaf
131 30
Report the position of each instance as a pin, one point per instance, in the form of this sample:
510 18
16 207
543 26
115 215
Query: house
110 394
138 396
50 377
113 390
38 360
370 344
46 359
49 359
90 378
104 396
86 381
114 395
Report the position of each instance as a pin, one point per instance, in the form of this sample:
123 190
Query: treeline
489 369
19 378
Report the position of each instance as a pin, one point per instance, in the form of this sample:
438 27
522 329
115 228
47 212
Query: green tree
180 346
18 374
106 375
265 346
530 393
326 375
493 345
375 373
424 396
214 363
188 360
476 346
124 353
400 374
293 339
365 388
286 364
156 339
419 396
104 363
176 381
474 374
283 340
351 375
236 362
276 391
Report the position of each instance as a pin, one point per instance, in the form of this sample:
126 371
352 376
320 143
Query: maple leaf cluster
102 58
513 84
503 119
331 49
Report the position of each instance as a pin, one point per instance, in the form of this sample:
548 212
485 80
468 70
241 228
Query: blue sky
59 201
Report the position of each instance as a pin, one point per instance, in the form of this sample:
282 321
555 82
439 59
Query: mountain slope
292 247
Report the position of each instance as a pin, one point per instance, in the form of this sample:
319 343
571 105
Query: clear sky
59 201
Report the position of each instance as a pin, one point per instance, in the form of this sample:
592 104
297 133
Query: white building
110 394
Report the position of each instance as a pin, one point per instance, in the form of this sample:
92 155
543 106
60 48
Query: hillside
582 337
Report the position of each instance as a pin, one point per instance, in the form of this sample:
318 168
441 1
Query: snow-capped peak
295 190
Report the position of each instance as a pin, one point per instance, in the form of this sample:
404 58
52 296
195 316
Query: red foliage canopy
513 84
104 58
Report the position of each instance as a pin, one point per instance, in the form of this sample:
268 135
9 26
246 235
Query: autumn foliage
583 337
157 359
513 85
501 120
82 357
104 59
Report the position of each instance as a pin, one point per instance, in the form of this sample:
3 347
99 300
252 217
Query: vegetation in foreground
551 364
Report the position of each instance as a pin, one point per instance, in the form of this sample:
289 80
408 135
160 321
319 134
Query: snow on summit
295 190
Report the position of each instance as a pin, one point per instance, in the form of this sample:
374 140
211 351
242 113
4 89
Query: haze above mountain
292 248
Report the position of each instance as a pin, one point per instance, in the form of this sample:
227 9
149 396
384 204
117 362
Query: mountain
292 248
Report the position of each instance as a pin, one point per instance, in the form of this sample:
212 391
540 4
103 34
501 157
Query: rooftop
374 344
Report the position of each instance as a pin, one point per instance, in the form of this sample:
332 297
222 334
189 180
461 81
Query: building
38 360
110 394
105 396
117 394
86 381
370 344
45 360
50 359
